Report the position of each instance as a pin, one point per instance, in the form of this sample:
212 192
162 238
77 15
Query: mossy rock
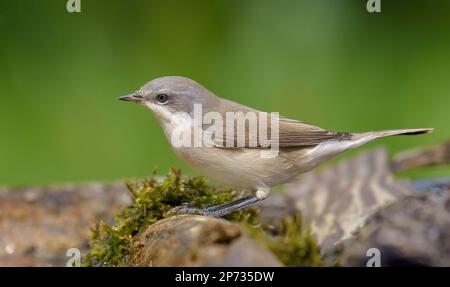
194 240
151 199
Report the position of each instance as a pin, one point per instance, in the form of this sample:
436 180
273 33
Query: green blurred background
326 62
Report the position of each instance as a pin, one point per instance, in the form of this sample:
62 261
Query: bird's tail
362 138
328 149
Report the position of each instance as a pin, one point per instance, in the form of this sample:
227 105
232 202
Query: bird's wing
292 133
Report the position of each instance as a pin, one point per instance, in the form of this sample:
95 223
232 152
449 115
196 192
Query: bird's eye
162 98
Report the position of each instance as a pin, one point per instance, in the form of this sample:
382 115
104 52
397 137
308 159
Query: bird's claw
185 209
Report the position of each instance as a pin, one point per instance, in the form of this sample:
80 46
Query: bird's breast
240 167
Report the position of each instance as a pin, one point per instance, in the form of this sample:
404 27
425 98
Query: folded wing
291 133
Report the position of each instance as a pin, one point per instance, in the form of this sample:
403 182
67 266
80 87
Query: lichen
151 198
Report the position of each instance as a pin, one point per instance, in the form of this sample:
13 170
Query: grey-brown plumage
301 146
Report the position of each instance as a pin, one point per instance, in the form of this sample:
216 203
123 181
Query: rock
192 240
414 231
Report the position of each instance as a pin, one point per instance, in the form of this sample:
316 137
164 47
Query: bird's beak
131 98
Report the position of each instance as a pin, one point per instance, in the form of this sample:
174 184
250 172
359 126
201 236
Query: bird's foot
218 210
185 209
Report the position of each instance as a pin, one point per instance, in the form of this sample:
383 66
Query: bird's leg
223 209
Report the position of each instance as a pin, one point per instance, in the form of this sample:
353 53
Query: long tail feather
362 138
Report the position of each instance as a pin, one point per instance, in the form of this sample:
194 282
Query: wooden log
422 157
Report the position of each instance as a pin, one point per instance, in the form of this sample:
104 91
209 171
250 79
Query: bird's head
167 96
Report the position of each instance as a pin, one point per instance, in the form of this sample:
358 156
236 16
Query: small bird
301 147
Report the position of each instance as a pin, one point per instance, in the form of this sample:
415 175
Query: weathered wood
422 157
338 199
414 231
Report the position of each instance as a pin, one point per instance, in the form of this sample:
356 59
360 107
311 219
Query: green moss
291 241
151 199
